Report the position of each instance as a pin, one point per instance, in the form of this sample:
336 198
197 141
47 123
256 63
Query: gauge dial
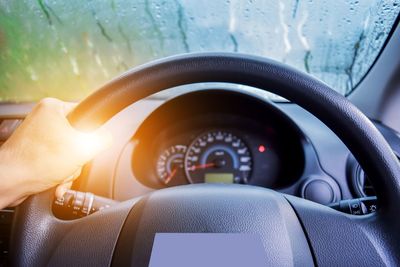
170 165
218 157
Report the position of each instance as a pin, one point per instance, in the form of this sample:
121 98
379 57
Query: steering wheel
293 231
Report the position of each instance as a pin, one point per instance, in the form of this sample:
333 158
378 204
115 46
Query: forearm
12 189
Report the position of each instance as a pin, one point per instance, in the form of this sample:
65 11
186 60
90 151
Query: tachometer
218 157
170 165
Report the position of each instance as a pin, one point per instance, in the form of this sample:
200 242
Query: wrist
12 177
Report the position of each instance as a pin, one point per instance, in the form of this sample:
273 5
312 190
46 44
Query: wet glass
67 49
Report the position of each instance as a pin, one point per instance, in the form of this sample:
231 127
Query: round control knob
319 191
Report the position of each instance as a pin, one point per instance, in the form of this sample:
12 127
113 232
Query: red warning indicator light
261 148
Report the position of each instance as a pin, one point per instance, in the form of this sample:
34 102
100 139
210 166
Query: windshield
67 49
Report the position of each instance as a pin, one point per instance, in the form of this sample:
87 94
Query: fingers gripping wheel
374 237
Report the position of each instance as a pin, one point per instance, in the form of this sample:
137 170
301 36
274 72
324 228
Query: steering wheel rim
351 126
342 117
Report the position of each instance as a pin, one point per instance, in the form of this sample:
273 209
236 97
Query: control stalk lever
76 204
357 206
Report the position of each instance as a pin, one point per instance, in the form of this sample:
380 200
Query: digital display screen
226 178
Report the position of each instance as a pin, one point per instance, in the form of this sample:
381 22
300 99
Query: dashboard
222 136
219 135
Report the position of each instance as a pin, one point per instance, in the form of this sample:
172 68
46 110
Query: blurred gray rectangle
207 249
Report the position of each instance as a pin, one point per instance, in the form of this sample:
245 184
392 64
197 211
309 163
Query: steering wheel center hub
215 208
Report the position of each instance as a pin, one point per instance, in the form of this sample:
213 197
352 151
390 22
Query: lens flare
92 143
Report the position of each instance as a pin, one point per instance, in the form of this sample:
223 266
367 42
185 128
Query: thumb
90 144
62 189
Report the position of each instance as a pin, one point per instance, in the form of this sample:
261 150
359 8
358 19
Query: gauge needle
170 176
202 166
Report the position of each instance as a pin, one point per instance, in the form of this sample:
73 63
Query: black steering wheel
293 231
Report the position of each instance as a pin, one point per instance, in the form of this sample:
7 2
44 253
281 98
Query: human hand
45 151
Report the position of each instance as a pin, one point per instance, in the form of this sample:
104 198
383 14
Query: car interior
278 119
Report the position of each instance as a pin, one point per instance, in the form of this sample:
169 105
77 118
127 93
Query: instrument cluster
217 136
217 156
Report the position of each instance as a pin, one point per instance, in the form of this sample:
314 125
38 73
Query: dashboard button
319 191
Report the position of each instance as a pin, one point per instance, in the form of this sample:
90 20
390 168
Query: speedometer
218 157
